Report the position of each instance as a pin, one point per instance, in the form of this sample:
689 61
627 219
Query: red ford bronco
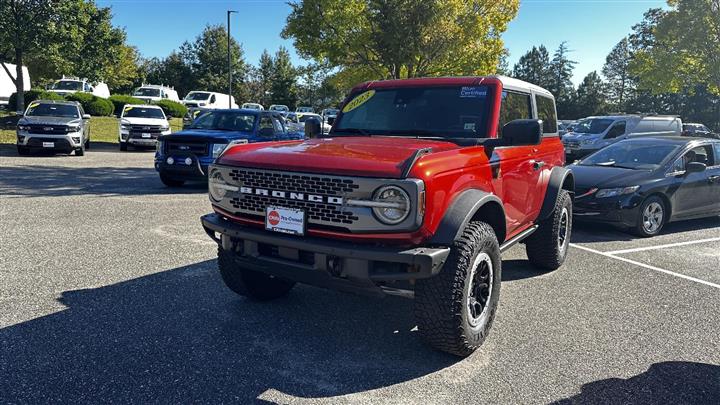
417 190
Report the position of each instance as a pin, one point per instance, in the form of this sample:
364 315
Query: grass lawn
102 129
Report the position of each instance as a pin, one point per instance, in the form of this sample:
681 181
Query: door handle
537 164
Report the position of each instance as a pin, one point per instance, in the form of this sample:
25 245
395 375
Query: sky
590 27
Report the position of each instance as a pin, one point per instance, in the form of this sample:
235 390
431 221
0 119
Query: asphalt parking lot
109 293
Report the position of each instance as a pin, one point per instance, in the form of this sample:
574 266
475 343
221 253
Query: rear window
546 112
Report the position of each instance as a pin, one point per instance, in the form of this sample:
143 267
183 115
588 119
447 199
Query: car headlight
24 127
218 187
614 192
218 148
391 204
73 129
165 128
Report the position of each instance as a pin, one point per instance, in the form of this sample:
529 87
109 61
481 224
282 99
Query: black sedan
643 183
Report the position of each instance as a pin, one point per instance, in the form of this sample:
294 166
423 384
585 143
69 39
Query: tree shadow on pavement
672 382
180 336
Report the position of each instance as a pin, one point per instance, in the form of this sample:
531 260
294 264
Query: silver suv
58 126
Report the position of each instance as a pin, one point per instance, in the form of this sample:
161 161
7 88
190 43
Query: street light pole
229 59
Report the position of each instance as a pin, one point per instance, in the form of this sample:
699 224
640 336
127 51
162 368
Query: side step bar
518 238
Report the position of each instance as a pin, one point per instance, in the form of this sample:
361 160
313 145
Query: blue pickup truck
185 155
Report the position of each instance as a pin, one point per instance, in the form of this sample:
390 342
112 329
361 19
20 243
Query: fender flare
558 177
460 213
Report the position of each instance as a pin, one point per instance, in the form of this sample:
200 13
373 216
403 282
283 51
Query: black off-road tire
442 306
80 151
123 146
170 182
249 283
640 229
87 143
23 151
547 247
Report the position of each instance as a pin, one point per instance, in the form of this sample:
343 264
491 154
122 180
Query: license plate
48 144
285 220
145 135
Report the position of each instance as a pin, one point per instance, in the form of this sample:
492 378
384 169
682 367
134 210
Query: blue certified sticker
473 92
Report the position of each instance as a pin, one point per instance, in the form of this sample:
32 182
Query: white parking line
647 266
669 245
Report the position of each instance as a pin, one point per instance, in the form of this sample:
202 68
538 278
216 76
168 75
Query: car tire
80 151
123 146
547 247
249 283
171 182
455 309
87 143
23 151
651 217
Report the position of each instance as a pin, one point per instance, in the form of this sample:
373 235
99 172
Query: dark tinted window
617 130
717 153
225 121
546 112
515 106
631 155
52 110
138 112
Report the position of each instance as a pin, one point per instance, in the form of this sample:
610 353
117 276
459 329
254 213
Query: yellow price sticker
358 101
126 109
33 105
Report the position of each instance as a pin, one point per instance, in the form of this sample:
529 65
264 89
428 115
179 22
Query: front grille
60 143
48 129
196 148
147 129
572 144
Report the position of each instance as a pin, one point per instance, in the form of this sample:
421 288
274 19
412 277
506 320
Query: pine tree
616 70
534 67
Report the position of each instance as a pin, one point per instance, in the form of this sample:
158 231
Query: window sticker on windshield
469 126
358 101
473 92
126 109
33 105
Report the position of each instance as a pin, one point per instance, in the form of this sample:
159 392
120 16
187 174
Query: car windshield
195 96
592 126
52 110
305 117
138 112
147 92
446 112
631 155
71 85
225 121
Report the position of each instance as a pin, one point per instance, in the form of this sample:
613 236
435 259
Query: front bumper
62 143
572 154
180 169
619 211
323 262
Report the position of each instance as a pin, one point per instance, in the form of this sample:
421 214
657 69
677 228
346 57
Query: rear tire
123 146
171 182
248 283
23 151
455 309
547 247
652 217
80 151
87 143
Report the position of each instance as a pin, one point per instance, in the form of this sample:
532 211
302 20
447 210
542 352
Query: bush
119 101
172 108
32 95
92 105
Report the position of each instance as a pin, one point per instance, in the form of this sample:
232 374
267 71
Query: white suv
141 125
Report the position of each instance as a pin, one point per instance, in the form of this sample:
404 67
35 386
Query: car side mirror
313 128
86 116
695 167
266 132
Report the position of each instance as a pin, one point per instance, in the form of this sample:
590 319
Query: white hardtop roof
155 86
510 83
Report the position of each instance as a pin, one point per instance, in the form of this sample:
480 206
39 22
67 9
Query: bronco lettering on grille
288 195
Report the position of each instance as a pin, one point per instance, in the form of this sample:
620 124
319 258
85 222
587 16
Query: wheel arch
471 205
561 178
665 199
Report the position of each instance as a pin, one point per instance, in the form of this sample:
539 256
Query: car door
714 176
693 194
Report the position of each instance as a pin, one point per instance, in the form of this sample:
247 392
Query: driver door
694 192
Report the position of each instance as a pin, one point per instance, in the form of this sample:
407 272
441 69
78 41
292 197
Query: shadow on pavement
672 382
180 336
585 232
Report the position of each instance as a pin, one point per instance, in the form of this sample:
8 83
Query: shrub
32 95
172 108
92 105
119 101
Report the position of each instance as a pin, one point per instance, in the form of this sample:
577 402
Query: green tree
284 79
264 78
207 56
559 82
402 38
25 30
591 97
534 67
620 84
123 75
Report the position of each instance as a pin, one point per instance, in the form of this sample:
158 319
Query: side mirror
313 128
522 132
86 116
695 167
266 132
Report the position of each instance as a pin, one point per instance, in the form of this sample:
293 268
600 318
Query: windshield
592 126
448 112
225 121
195 96
71 85
631 155
279 108
138 112
52 110
305 117
147 92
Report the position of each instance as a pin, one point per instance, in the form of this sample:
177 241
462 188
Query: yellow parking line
669 245
647 266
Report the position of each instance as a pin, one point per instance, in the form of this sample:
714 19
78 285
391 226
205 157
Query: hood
608 177
357 156
577 136
208 135
144 121
28 120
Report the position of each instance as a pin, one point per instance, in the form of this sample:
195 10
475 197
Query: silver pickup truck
58 126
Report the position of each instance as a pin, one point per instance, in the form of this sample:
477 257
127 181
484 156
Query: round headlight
393 204
215 180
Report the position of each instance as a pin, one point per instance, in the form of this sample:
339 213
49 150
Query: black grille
48 129
197 148
147 129
60 143
572 144
316 211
